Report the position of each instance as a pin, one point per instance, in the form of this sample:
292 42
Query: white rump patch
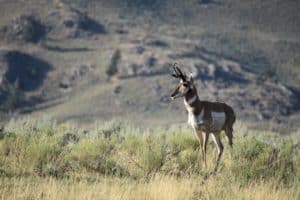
218 120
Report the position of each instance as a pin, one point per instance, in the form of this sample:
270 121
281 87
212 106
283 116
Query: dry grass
159 187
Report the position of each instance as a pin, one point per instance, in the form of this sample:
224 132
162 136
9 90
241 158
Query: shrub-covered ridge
42 148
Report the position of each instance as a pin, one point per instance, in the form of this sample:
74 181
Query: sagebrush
43 149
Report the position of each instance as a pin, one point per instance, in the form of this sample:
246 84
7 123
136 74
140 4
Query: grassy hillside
254 40
40 159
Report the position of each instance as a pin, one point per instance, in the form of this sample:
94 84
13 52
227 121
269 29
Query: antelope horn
181 75
176 74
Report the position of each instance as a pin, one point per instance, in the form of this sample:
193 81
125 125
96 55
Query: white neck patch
191 100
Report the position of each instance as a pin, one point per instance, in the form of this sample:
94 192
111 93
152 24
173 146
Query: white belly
218 120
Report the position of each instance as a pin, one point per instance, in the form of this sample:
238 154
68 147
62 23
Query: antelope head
185 85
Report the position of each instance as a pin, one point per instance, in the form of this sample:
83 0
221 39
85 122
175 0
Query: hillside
54 56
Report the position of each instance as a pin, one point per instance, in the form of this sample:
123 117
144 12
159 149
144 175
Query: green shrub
183 154
142 155
112 68
255 160
40 148
93 155
13 98
24 154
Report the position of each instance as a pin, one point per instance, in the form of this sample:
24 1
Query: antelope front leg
202 138
205 140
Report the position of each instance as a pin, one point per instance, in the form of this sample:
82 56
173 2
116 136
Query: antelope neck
189 99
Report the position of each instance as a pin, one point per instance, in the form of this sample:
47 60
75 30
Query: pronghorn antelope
205 117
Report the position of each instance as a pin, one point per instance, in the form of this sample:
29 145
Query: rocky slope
55 62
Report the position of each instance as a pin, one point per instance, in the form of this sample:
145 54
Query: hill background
54 56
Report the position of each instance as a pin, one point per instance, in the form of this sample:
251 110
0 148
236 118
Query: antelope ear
191 78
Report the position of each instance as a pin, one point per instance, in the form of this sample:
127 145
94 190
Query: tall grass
40 159
159 187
